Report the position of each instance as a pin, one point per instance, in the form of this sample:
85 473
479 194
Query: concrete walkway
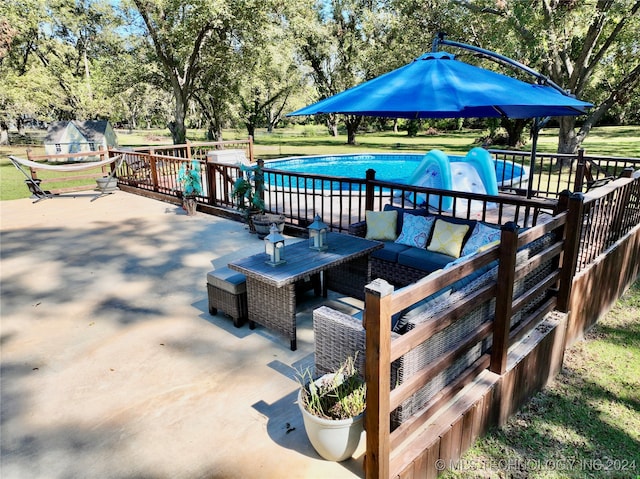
112 366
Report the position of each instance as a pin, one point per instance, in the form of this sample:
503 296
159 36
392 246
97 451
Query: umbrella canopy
436 85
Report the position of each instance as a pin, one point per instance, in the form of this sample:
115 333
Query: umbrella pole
532 162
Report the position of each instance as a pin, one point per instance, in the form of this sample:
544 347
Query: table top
302 261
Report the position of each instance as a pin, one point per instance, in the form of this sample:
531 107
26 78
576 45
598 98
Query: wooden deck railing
86 179
503 331
610 212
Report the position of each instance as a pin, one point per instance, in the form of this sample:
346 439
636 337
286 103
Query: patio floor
112 366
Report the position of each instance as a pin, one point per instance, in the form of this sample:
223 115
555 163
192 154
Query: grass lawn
586 424
314 140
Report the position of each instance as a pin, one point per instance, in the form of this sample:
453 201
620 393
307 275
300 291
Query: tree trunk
514 130
251 128
176 127
352 123
332 125
4 133
395 125
568 140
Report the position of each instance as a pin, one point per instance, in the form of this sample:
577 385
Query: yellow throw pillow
447 238
381 225
487 246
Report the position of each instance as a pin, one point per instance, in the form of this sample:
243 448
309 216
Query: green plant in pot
191 184
332 408
247 193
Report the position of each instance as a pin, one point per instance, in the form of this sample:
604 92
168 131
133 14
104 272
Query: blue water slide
434 171
474 173
485 166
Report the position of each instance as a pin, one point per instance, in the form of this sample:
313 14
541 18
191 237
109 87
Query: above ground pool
396 168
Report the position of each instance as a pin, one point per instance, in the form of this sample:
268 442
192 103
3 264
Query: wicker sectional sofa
338 335
399 264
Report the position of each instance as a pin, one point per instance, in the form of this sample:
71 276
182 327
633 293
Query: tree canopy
220 63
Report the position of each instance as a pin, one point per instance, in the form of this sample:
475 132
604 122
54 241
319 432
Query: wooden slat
424 331
420 379
435 432
414 423
539 259
533 319
541 287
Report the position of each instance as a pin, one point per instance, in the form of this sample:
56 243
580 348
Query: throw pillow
415 230
447 238
381 225
482 235
488 246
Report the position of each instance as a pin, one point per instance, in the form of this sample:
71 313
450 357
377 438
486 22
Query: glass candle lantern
318 234
274 246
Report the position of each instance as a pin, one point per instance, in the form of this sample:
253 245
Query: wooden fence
607 256
396 453
56 185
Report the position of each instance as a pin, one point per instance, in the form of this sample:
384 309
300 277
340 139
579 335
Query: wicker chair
338 335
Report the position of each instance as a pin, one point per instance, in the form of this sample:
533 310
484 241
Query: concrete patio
112 366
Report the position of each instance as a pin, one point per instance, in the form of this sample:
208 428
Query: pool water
394 168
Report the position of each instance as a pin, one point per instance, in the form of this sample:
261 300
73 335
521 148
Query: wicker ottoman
228 291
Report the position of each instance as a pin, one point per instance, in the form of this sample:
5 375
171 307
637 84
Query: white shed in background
77 136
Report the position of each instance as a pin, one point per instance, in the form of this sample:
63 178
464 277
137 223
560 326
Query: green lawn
314 140
586 424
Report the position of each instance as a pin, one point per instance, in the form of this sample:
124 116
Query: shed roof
92 130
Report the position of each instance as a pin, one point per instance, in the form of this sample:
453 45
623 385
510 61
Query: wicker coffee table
271 290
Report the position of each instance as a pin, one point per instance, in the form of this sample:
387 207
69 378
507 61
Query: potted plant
248 191
189 179
332 408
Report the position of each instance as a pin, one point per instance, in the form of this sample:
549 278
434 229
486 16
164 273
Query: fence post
563 202
580 172
504 297
34 173
377 322
210 171
188 148
154 170
369 189
259 180
573 230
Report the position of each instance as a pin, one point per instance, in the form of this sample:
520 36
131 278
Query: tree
184 33
336 40
178 33
588 48
52 67
272 76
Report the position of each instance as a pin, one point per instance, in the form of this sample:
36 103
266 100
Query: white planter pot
334 440
107 184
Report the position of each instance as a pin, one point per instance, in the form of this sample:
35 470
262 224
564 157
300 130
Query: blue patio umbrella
436 85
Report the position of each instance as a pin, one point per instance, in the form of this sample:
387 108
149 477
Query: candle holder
318 234
274 247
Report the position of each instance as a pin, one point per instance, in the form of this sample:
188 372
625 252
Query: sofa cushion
390 251
481 235
402 211
416 230
424 260
447 238
381 225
